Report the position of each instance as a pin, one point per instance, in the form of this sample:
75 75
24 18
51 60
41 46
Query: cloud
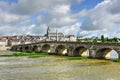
19 17
62 9
25 7
33 17
10 19
71 30
38 30
104 16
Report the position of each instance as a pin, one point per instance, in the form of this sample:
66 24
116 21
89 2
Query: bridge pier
52 49
118 53
36 48
70 51
92 52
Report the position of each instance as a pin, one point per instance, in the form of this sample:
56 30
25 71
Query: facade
50 36
5 43
8 41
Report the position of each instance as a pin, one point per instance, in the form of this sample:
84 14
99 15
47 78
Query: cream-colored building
8 41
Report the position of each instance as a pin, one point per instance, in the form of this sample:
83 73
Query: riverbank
57 68
37 55
5 52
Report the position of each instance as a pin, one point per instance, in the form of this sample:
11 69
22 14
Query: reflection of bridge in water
94 50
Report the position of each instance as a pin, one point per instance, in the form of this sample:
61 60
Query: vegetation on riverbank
116 60
30 55
77 58
37 55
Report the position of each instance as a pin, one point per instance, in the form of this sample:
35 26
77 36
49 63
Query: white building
58 36
8 41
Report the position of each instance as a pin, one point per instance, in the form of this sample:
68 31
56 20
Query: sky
87 18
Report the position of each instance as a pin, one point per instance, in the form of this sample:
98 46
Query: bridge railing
67 42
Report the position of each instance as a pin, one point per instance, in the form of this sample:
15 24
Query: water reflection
56 68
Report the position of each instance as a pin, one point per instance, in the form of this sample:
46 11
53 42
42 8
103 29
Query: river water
57 68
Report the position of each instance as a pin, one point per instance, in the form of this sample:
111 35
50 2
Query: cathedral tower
48 31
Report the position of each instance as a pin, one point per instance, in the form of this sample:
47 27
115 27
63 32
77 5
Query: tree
95 40
115 39
102 38
107 39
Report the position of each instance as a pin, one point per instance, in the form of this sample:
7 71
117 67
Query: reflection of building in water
7 41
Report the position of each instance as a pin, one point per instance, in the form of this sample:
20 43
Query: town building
7 41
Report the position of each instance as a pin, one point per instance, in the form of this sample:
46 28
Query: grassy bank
37 55
30 55
116 60
77 58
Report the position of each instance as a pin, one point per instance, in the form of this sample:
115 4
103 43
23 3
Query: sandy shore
6 52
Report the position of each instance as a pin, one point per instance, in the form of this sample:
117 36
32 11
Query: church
7 41
57 36
54 36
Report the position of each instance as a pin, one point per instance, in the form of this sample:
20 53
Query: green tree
102 38
94 40
115 39
107 39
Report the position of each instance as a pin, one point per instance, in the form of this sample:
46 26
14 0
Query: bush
116 60
20 54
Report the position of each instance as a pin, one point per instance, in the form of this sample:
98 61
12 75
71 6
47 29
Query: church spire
48 30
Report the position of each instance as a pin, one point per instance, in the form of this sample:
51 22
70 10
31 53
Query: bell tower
48 31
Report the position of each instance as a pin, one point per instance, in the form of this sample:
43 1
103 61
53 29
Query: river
57 68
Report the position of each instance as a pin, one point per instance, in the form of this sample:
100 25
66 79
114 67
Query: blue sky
75 7
85 4
86 18
10 1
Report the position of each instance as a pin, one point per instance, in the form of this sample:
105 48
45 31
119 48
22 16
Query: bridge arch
16 49
45 48
12 48
20 49
81 51
106 53
61 50
35 48
27 48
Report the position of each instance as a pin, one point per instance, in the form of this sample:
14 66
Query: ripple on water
56 68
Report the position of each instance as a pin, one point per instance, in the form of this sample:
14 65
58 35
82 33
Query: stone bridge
94 50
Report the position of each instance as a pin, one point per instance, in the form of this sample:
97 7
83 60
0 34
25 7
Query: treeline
102 39
115 39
